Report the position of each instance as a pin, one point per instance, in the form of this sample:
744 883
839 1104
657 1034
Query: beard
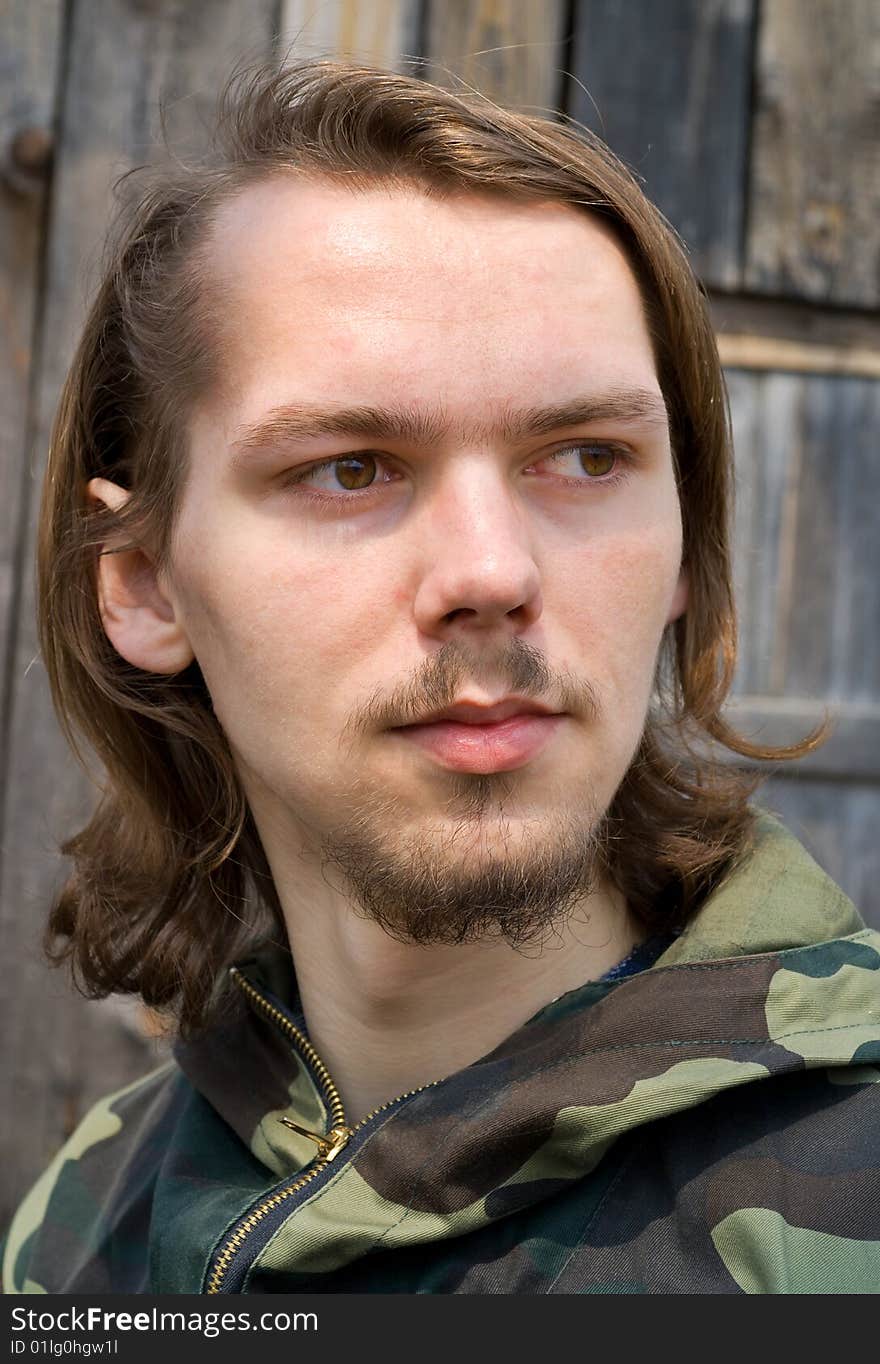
482 870
479 874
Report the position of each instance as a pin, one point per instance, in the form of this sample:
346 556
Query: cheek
643 579
274 630
616 606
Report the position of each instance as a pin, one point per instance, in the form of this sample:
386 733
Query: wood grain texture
744 350
58 1053
814 205
807 553
803 323
510 51
667 86
807 568
30 56
384 33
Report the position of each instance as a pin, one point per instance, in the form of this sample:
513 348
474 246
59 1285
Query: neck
387 1017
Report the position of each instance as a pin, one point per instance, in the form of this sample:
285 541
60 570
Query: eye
353 473
594 459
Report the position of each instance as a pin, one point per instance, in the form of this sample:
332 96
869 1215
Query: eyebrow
298 422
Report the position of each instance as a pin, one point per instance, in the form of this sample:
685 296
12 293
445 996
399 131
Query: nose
478 571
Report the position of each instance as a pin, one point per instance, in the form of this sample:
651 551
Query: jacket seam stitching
747 962
591 1218
720 1041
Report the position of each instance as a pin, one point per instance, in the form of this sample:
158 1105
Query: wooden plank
29 66
806 544
667 86
58 1053
746 351
29 75
814 205
384 33
512 51
763 458
807 324
837 822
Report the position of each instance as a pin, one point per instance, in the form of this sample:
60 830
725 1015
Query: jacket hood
776 975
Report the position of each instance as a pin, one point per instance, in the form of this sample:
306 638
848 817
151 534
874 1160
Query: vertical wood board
667 87
807 551
384 33
29 65
511 52
814 203
59 1053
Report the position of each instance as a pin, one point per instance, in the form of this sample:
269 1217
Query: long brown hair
170 881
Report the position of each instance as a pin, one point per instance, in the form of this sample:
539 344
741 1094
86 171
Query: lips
475 713
499 746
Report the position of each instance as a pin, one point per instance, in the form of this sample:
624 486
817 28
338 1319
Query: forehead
322 287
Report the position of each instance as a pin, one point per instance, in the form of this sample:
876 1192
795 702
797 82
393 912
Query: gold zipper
329 1144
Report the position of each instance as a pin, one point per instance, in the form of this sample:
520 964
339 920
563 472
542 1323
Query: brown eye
597 460
355 471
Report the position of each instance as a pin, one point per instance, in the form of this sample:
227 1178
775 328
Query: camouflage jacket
711 1124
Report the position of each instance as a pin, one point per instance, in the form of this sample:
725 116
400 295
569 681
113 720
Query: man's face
482 555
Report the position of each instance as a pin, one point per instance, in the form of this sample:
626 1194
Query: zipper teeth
303 1044
337 1120
240 1235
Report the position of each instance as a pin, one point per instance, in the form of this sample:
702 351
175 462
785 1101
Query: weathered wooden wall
92 77
751 124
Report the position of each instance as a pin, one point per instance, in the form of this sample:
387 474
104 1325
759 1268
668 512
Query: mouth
494 746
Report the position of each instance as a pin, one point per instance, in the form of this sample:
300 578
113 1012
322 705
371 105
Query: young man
385 563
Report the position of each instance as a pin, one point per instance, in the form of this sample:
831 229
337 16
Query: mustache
513 667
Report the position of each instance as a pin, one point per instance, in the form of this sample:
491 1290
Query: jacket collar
776 901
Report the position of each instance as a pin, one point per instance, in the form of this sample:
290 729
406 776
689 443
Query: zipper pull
328 1146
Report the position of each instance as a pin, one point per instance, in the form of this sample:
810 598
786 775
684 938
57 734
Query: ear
678 605
137 610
